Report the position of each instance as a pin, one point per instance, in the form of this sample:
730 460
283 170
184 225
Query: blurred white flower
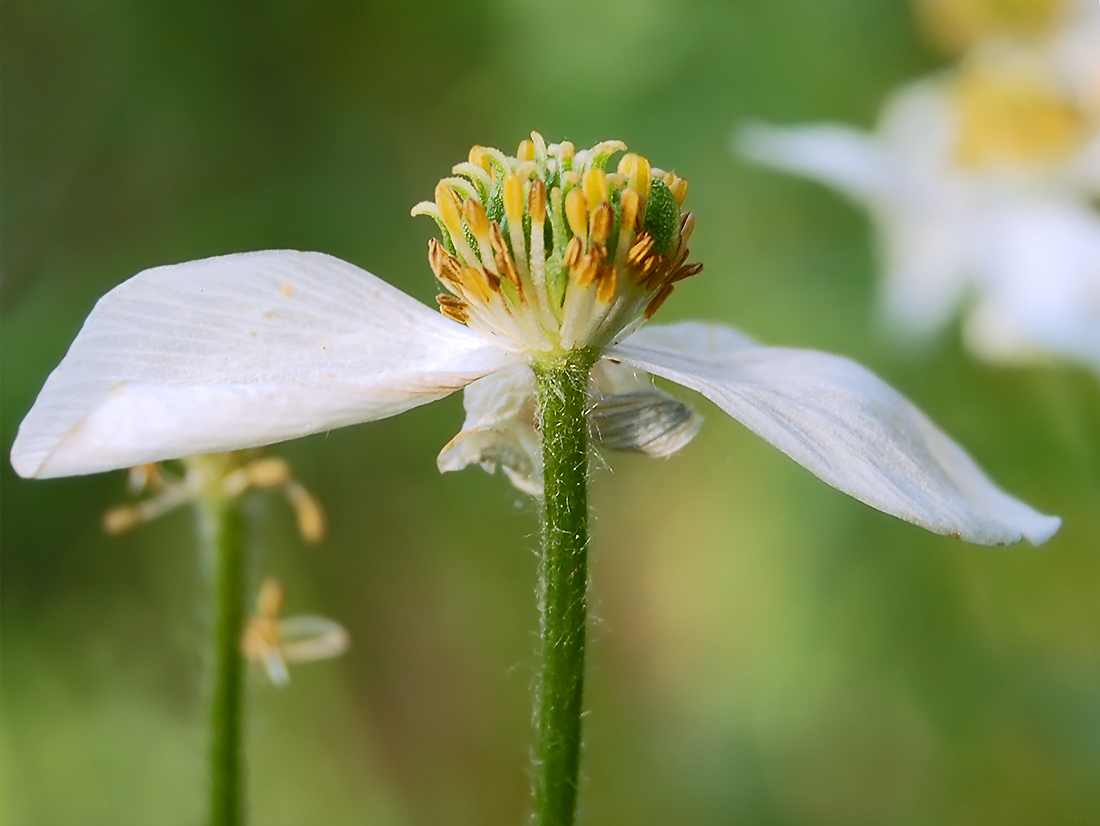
255 348
980 183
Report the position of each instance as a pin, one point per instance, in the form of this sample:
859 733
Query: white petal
239 351
499 430
850 429
627 413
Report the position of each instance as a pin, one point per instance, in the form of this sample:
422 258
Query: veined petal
626 413
239 351
847 427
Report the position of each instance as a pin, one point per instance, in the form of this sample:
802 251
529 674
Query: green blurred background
764 650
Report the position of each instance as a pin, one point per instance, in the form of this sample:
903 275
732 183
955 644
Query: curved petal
239 351
850 429
626 413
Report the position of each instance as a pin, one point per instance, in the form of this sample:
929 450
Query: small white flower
979 181
249 349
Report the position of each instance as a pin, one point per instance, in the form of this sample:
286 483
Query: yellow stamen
576 213
595 187
526 151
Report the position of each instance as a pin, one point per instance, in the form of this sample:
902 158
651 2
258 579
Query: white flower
979 181
249 349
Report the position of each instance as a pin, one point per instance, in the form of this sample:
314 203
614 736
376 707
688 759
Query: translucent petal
627 413
239 351
848 428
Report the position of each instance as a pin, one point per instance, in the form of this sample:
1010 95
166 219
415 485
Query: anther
595 187
573 252
576 213
513 197
641 249
448 204
678 187
609 281
659 299
602 218
687 227
536 202
526 151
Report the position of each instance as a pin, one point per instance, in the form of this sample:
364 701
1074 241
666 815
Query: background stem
563 585
225 561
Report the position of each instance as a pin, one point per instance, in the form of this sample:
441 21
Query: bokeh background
764 649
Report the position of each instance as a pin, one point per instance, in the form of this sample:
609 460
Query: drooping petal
627 413
239 351
499 430
847 427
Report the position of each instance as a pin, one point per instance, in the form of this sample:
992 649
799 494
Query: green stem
563 584
225 560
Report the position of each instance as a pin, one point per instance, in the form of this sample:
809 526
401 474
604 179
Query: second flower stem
225 562
563 584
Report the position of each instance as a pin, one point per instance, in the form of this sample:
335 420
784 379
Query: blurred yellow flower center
1015 115
547 251
958 24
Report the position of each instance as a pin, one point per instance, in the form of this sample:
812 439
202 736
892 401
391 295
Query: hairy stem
225 561
563 585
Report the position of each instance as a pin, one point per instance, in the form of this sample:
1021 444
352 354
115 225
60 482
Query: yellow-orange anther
602 218
479 157
526 151
447 203
678 187
595 187
536 202
576 212
513 197
476 219
638 174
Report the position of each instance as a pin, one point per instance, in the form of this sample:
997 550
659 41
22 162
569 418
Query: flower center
547 251
957 24
1017 115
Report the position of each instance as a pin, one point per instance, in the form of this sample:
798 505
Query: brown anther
687 227
659 299
609 281
602 219
526 151
576 213
458 314
449 300
536 202
641 249
573 252
586 270
444 265
685 272
504 261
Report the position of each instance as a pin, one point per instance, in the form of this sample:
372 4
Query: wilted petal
847 427
629 414
499 430
239 351
626 413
